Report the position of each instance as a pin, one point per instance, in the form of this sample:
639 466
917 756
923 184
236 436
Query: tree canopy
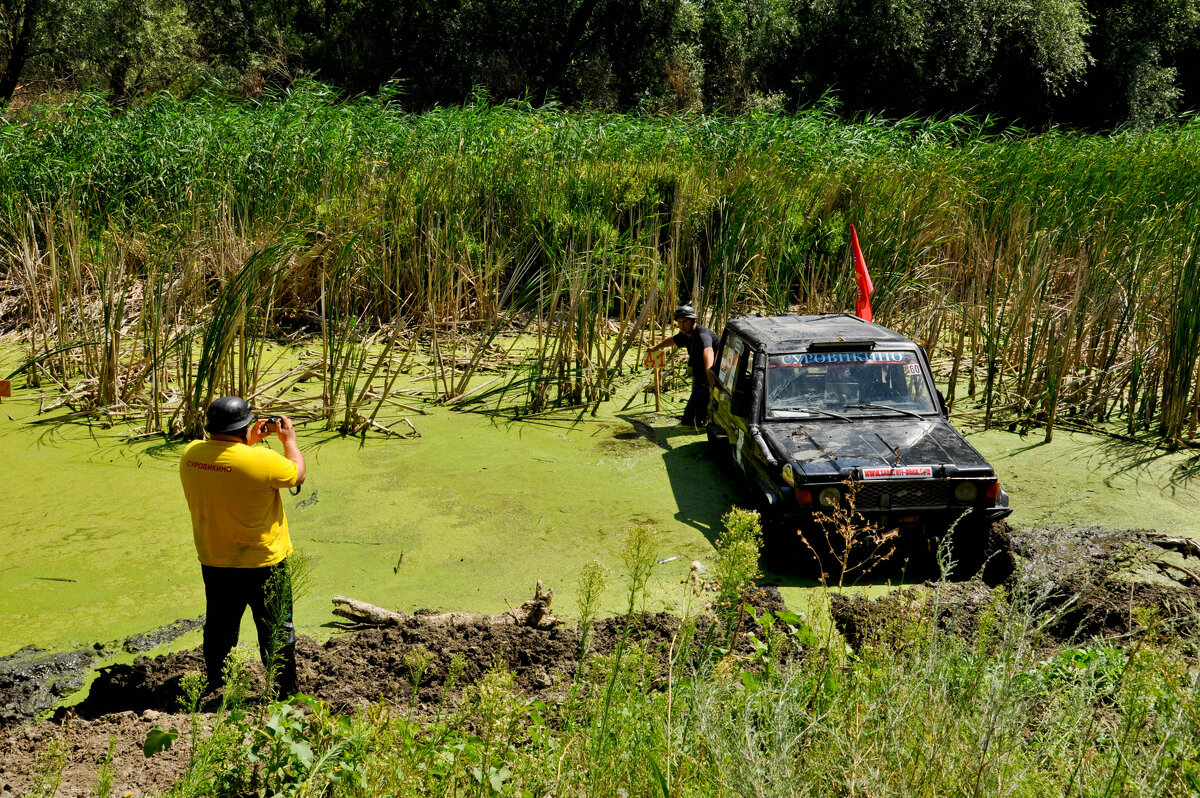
1087 63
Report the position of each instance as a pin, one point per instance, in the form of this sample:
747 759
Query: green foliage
158 740
738 549
47 776
639 555
302 749
1138 48
1090 62
416 661
593 580
1044 268
105 773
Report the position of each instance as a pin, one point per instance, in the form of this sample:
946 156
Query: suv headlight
966 492
829 497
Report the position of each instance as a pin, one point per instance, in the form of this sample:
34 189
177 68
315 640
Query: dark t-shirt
701 338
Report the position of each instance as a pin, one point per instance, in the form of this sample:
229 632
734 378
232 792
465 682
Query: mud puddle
33 680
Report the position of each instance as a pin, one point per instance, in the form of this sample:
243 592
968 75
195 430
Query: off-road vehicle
824 414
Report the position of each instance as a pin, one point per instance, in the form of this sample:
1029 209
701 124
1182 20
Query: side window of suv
732 367
733 373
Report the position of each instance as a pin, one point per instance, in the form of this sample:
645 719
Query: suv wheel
718 447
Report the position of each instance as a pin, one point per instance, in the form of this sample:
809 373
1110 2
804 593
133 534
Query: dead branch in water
535 613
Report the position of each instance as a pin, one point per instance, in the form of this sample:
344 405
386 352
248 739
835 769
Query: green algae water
468 516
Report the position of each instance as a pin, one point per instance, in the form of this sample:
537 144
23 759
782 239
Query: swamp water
468 516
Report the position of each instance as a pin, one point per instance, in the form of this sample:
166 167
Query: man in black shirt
701 344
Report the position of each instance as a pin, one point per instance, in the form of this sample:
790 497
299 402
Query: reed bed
148 257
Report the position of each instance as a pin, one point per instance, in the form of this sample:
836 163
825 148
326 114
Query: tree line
1093 64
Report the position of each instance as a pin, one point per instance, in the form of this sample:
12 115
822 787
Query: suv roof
794 333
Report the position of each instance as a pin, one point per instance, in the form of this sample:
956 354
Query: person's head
685 317
229 416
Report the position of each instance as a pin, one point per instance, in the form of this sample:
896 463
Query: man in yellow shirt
241 534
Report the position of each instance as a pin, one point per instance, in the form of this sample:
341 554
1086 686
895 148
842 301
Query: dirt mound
28 756
353 669
1080 582
361 667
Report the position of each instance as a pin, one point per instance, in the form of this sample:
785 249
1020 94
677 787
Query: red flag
865 288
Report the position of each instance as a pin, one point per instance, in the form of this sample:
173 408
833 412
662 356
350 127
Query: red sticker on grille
898 471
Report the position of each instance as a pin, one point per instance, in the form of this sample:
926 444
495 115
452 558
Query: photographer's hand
257 432
291 449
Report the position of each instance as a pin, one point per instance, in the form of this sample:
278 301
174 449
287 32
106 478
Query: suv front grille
902 494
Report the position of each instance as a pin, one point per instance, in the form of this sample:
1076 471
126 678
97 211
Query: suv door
730 406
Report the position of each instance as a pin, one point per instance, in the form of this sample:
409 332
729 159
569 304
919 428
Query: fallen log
535 613
364 613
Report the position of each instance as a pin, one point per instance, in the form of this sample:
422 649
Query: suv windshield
848 383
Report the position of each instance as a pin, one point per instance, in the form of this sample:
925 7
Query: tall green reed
1039 266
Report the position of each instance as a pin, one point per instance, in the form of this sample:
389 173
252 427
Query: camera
273 423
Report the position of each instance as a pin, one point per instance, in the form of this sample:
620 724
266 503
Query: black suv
811 408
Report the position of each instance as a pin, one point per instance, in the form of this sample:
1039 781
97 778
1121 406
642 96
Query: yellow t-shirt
233 493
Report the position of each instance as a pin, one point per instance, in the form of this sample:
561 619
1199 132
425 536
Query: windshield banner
813 358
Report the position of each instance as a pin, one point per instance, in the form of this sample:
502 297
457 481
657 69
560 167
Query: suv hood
828 449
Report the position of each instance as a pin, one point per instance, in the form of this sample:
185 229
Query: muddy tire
982 549
718 445
784 552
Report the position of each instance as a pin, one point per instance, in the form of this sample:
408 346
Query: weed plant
154 250
105 773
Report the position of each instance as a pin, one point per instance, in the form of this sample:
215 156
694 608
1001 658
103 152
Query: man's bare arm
291 449
710 358
664 343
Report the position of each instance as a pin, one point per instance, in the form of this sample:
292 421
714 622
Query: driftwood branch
1190 575
362 612
1185 546
535 612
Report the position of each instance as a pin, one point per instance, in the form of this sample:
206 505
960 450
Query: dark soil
1080 582
350 670
1087 582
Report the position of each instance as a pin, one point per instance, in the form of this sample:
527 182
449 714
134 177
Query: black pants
696 411
268 593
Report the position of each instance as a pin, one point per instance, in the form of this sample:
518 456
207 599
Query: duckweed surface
468 516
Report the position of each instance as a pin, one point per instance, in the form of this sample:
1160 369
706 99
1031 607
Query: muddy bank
1079 582
396 663
432 663
33 681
